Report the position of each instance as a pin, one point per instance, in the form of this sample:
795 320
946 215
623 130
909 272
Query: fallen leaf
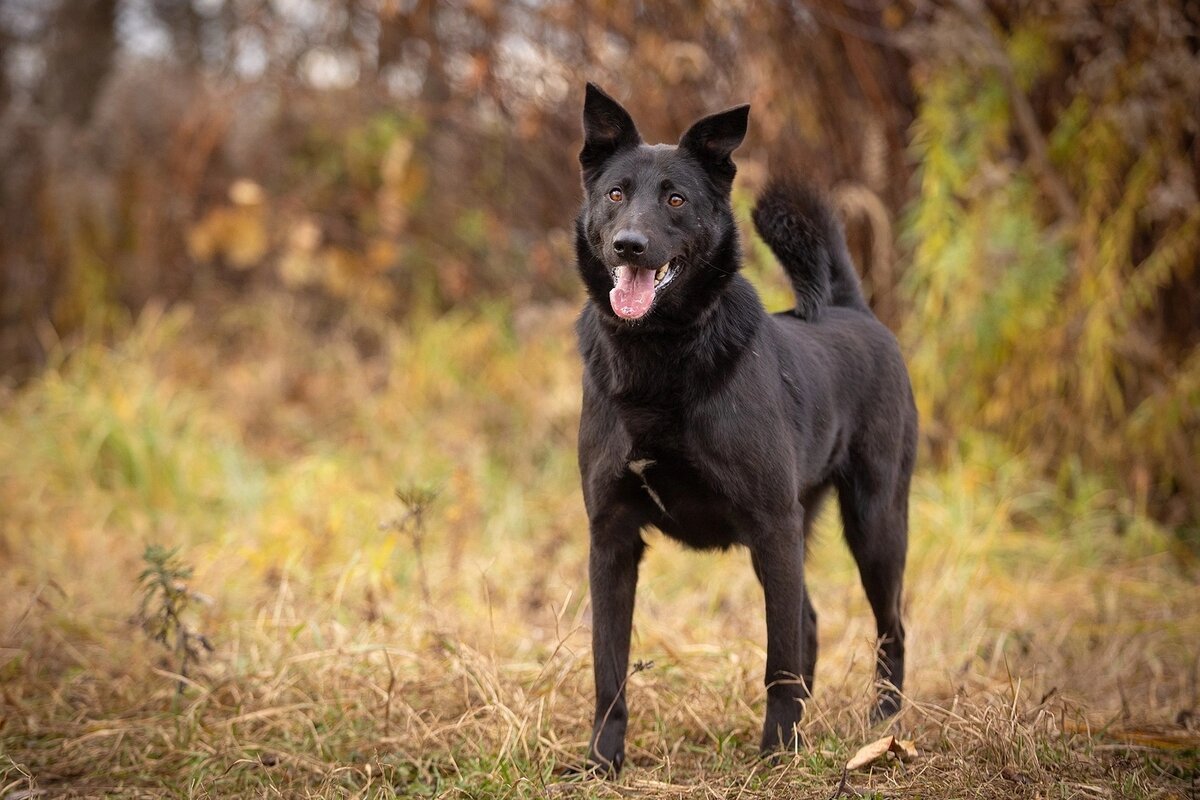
871 752
904 749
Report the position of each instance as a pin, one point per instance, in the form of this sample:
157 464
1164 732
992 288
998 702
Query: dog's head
656 234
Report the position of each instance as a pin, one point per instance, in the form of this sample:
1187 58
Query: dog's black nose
630 243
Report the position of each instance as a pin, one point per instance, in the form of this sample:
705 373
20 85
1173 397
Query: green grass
1054 640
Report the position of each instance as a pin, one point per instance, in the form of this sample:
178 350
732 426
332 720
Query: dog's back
832 332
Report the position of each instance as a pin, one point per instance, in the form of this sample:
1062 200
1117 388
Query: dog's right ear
607 129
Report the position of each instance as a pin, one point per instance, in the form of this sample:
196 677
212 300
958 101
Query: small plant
165 599
417 500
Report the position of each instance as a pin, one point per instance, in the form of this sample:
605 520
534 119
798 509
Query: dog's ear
713 139
607 129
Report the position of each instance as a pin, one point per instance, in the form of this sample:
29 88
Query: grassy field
365 646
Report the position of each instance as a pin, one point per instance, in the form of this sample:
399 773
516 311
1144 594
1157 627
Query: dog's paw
602 766
591 769
777 744
772 757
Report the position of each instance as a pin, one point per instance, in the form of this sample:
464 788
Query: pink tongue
634 292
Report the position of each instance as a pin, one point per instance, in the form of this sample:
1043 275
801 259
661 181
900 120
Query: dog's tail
806 237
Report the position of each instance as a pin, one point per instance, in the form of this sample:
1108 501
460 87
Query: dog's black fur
720 424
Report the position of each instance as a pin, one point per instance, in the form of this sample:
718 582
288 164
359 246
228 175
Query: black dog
719 424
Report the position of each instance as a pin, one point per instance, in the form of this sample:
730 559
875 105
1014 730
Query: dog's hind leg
812 503
808 653
877 531
779 564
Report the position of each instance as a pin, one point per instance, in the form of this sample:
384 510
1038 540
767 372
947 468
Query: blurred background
287 287
1019 180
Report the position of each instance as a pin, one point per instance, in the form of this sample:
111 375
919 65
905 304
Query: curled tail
803 233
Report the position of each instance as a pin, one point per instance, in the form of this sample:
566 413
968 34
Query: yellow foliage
1040 329
236 234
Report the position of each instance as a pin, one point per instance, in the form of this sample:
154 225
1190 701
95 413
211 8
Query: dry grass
1055 642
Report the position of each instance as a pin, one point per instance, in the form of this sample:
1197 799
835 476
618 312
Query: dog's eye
676 200
616 195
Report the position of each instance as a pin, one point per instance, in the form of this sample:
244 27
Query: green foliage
107 422
1030 324
337 158
165 601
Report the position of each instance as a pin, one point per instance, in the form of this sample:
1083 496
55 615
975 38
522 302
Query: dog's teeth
660 273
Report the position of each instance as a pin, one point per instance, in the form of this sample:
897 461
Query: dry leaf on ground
904 749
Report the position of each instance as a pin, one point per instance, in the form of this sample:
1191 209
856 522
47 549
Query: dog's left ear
713 139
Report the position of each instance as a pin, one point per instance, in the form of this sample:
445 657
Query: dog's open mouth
634 288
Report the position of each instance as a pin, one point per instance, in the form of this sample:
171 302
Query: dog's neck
662 365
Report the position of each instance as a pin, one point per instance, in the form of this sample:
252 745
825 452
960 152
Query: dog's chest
683 501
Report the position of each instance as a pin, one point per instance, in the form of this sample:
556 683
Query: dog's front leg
779 564
616 550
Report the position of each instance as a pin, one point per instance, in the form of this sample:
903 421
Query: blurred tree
186 28
1055 239
81 44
